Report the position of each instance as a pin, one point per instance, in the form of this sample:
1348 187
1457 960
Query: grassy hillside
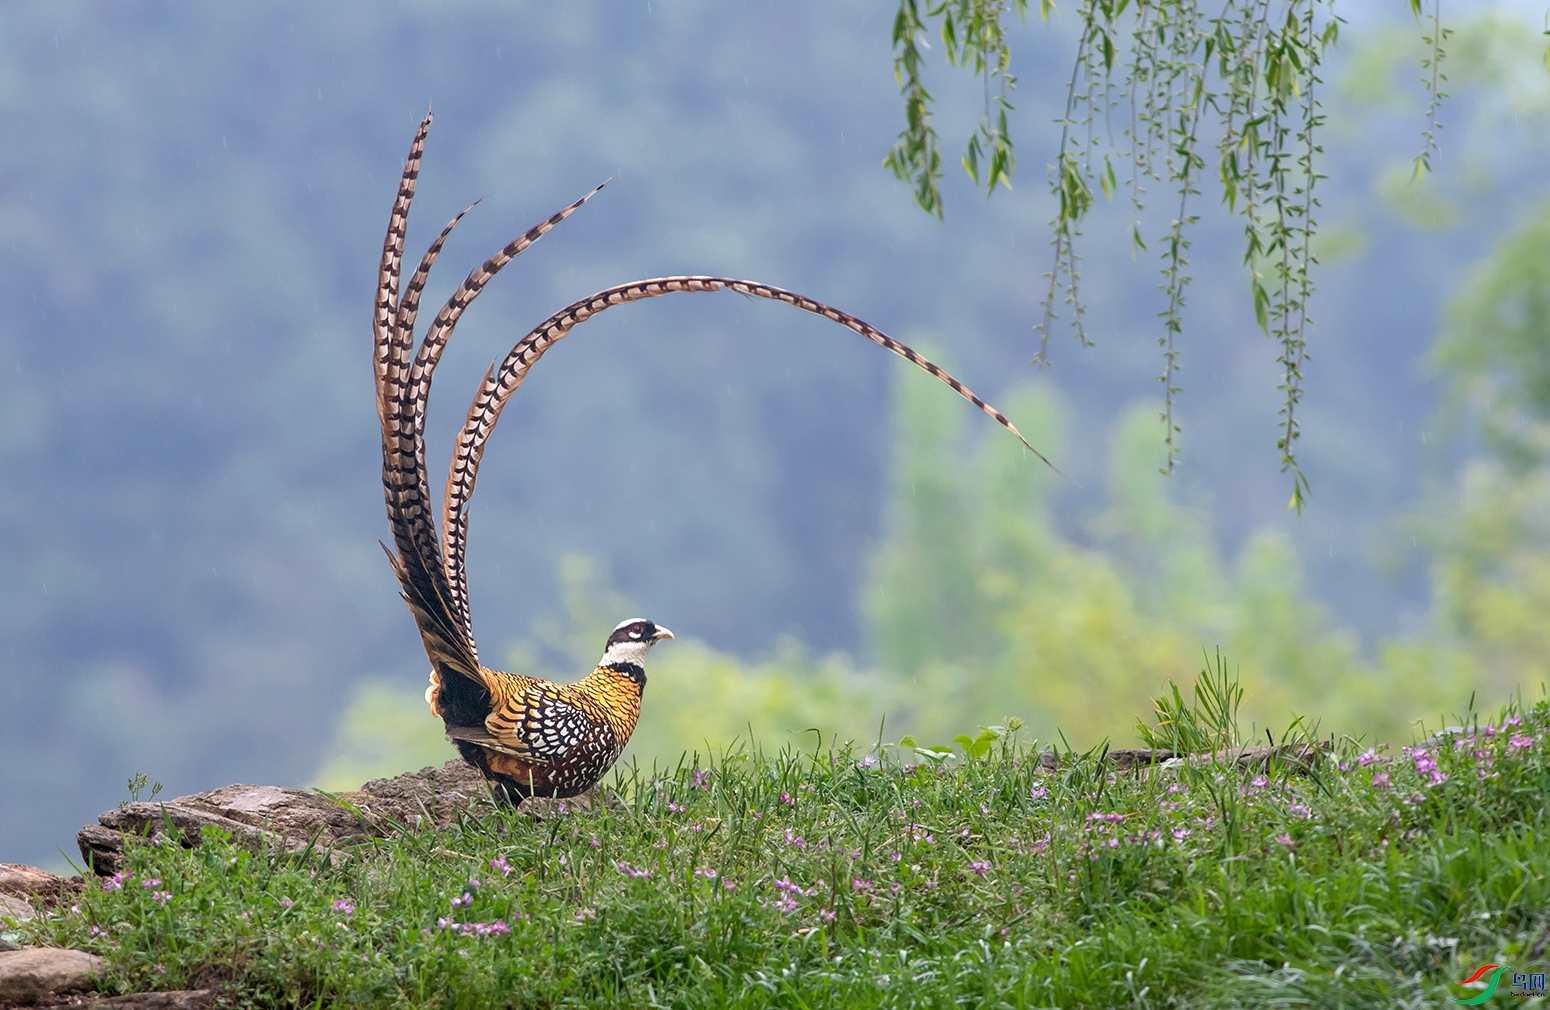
842 878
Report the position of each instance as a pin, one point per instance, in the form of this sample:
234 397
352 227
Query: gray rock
35 972
543 808
288 819
182 999
15 909
22 881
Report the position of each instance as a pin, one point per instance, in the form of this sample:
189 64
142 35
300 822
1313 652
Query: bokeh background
192 201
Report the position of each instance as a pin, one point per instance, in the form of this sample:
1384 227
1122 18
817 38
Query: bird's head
630 642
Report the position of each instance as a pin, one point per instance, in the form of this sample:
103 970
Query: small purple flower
464 900
980 866
701 779
1299 810
1519 742
1038 792
499 863
858 884
786 904
826 914
788 799
1425 761
1437 778
584 914
896 857
1179 834
1380 780
95 931
152 884
632 872
1368 756
674 808
348 909
1174 788
870 761
794 840
161 897
706 872
1512 720
1286 840
785 885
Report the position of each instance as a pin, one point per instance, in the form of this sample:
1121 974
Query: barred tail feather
386 307
403 388
500 383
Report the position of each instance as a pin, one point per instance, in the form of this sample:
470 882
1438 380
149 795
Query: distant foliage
1489 523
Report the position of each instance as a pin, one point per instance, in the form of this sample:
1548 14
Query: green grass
842 878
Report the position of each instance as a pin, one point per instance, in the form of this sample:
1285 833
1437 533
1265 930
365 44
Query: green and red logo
1522 984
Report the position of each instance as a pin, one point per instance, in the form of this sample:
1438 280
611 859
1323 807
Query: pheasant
528 737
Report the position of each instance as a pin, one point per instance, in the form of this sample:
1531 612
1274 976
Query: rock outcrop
37 972
28 884
182 999
290 819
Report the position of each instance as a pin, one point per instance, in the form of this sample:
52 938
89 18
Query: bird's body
535 737
529 737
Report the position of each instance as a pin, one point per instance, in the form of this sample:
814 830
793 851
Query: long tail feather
418 565
413 392
386 307
500 383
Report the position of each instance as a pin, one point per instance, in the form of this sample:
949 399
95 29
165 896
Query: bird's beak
661 634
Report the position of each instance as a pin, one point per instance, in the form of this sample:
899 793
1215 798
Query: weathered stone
15 909
1302 756
38 971
22 881
181 999
542 808
289 819
6 945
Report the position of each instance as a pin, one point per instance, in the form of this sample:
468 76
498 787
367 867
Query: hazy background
192 203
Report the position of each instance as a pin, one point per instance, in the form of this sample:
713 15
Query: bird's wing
502 381
536 724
